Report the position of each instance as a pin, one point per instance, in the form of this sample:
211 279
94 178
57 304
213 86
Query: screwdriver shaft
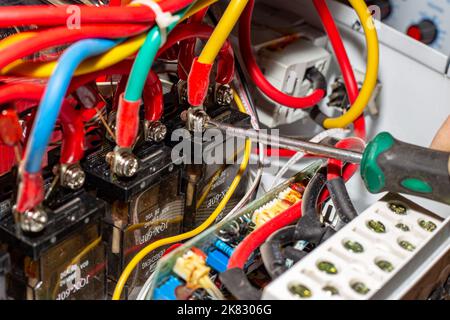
290 143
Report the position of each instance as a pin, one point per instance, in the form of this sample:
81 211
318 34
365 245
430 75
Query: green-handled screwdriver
386 163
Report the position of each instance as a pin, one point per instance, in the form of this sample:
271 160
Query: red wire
280 152
62 35
187 47
335 166
45 15
343 60
20 91
225 65
257 237
256 74
243 251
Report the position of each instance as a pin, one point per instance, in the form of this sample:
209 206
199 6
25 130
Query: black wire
341 201
235 280
309 227
271 251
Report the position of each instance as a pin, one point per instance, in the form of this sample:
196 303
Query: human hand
442 139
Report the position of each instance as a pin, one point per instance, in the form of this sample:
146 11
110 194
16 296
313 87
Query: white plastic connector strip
163 18
362 257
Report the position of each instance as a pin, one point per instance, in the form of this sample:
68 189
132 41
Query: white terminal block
366 257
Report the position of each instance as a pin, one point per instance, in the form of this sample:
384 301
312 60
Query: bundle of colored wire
243 251
343 61
45 15
48 112
256 74
178 238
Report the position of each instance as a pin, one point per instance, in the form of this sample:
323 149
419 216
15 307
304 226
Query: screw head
73 177
332 291
408 246
123 164
385 265
354 246
156 131
402 226
300 290
376 226
427 225
360 288
33 220
327 267
224 95
397 208
128 165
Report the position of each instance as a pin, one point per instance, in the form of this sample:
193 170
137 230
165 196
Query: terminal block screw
385 265
427 225
122 163
331 290
397 208
408 246
224 95
196 119
33 220
360 288
354 246
72 176
155 131
300 290
402 227
376 226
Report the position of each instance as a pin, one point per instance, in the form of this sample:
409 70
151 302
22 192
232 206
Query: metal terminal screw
354 246
408 246
397 208
427 225
327 267
331 290
384 265
376 226
402 227
122 163
154 131
224 95
196 119
33 220
300 290
72 176
360 288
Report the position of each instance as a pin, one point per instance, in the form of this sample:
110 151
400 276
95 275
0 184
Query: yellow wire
222 31
216 175
370 80
12 39
113 56
141 254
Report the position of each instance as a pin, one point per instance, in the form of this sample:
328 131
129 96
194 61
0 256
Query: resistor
225 248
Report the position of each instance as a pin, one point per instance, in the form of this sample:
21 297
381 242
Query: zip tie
163 18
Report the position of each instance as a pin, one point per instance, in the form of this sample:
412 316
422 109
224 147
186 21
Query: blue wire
51 102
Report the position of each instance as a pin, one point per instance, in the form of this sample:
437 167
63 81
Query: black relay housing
142 209
66 260
206 184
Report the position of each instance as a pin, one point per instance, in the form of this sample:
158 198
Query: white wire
339 133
